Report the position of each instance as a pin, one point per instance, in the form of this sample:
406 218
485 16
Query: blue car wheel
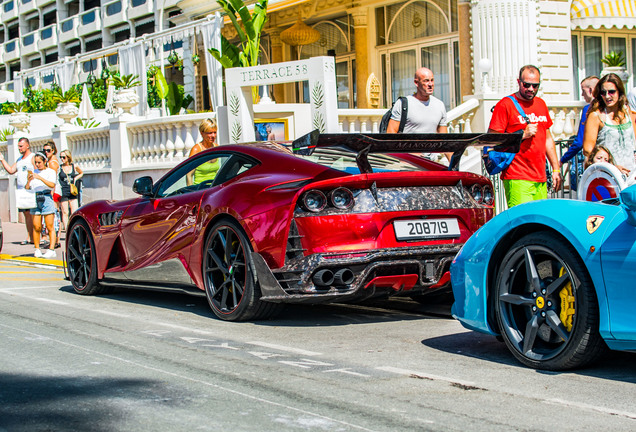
546 305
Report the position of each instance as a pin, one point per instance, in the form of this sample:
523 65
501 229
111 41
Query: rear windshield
343 160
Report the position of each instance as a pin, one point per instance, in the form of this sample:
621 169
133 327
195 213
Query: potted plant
126 96
66 103
19 115
614 62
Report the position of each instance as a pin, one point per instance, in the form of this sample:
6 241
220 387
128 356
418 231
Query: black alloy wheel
81 262
230 286
546 304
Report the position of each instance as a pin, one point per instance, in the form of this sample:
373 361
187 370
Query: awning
603 13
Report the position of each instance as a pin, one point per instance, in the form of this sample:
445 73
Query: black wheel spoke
516 299
531 271
556 325
530 334
558 284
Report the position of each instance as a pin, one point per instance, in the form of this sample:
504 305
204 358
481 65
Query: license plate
418 229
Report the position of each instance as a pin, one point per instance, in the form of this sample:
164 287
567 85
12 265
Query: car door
618 259
158 231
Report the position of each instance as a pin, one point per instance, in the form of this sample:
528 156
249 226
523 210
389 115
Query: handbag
74 191
25 199
496 161
72 185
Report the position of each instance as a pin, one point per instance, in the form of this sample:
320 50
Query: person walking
425 112
525 178
574 151
611 123
25 199
68 176
42 181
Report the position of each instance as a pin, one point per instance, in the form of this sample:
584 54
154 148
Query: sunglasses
608 92
47 150
528 85
62 157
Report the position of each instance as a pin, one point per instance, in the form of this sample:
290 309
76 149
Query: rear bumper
388 271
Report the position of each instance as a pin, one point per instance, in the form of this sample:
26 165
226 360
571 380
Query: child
599 153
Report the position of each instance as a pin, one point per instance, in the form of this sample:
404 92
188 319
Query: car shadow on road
613 365
294 315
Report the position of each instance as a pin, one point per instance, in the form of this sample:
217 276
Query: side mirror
628 199
143 186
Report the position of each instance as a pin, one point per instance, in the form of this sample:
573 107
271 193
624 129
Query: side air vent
294 248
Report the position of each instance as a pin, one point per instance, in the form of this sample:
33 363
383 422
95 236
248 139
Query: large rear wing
362 144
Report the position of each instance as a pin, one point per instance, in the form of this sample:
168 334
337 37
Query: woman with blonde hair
67 178
208 170
611 123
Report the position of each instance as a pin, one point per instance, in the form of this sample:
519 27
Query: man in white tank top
21 168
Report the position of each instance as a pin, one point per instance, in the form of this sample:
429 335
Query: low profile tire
230 284
81 261
546 305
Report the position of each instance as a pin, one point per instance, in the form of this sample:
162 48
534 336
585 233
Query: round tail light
477 193
314 201
341 198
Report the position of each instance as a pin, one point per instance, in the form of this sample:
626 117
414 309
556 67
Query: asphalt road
143 361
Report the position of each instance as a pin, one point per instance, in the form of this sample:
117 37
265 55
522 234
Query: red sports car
326 218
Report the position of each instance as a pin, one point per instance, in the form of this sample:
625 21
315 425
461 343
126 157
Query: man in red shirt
525 179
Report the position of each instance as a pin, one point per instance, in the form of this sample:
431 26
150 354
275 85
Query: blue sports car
555 278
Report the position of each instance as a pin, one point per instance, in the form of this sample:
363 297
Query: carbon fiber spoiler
363 144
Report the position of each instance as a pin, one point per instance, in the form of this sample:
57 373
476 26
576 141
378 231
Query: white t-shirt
23 165
422 116
38 185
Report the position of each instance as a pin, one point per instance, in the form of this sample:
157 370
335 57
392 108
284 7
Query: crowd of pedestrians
47 188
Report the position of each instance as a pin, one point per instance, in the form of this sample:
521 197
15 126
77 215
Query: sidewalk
12 250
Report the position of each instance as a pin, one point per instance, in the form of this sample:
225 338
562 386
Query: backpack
384 123
496 161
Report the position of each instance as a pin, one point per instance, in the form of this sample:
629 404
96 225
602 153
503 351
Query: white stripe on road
585 406
425 375
284 348
57 302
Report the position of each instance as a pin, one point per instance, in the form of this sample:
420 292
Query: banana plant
175 100
248 27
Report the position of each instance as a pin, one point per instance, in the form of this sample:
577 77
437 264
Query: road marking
425 375
206 383
57 302
115 314
11 290
585 406
284 348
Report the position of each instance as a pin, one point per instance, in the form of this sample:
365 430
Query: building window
589 47
336 39
88 17
8 6
135 3
113 8
414 34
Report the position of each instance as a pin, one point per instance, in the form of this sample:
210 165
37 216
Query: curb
33 261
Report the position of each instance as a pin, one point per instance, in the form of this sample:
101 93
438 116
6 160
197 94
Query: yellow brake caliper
567 304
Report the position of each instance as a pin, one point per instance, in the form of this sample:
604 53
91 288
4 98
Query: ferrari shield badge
593 222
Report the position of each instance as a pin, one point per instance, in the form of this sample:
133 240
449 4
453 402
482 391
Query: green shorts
521 191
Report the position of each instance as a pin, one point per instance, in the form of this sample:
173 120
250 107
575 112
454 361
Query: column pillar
465 53
119 154
360 25
278 90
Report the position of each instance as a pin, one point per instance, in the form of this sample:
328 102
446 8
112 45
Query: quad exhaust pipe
326 277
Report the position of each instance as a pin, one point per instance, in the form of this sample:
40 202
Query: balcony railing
69 29
9 11
90 21
48 37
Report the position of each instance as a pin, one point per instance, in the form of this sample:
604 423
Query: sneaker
37 253
50 253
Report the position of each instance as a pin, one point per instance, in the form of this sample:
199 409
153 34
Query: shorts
56 197
45 207
24 210
522 191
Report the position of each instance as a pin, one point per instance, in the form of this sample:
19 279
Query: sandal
57 245
25 242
